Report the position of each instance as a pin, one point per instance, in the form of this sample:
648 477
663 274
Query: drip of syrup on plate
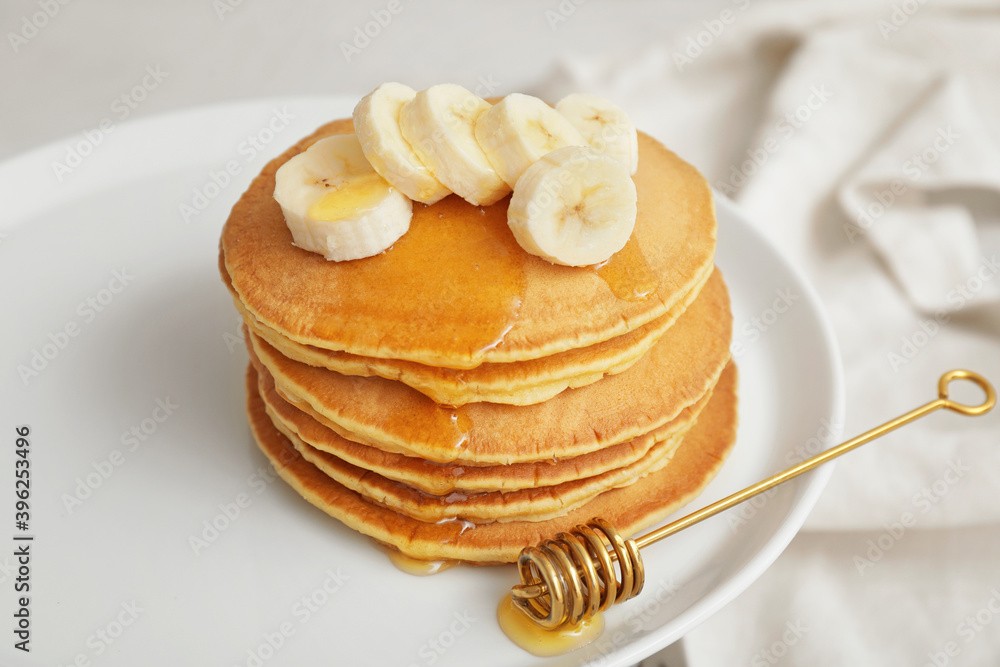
541 642
417 567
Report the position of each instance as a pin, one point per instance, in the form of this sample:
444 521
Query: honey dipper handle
760 487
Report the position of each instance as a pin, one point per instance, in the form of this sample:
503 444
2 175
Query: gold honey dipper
567 580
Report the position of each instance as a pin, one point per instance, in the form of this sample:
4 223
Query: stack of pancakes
457 398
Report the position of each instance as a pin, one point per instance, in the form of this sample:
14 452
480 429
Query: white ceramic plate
121 353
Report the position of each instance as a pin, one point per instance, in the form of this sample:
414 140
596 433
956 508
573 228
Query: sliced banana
605 126
336 205
575 206
439 123
518 130
376 122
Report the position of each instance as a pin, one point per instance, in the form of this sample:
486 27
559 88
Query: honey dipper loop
567 580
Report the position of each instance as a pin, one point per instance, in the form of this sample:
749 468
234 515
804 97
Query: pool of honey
455 258
536 640
459 259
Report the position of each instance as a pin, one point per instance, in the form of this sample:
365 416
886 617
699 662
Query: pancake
532 504
444 479
535 503
514 383
630 508
677 371
456 290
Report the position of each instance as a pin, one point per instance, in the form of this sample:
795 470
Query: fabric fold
864 139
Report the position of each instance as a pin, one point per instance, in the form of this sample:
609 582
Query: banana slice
336 205
518 130
575 206
605 126
439 123
376 122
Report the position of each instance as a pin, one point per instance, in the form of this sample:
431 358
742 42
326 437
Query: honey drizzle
343 200
457 280
628 273
442 425
416 566
541 642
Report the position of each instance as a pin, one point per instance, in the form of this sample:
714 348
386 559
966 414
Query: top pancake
456 290
515 383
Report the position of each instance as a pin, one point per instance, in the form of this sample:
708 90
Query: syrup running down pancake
457 398
456 290
630 509
675 373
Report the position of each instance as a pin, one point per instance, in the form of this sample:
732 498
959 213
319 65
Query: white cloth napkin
864 138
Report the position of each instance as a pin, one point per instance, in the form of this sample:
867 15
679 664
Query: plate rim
814 481
29 167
